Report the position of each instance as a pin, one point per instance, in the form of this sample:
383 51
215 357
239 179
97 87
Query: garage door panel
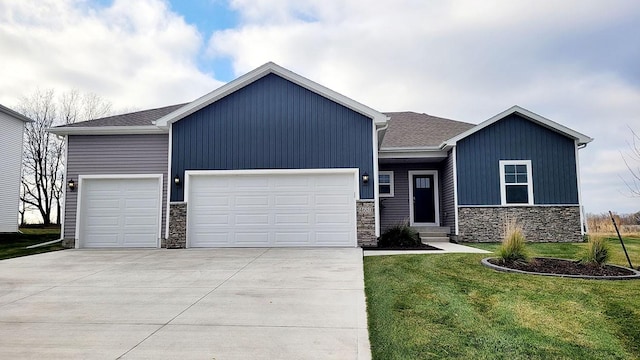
272 210
291 200
257 239
104 220
254 200
250 183
291 219
331 238
120 212
332 219
292 238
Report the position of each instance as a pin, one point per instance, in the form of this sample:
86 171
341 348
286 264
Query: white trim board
436 196
195 202
391 183
83 178
107 130
581 138
503 192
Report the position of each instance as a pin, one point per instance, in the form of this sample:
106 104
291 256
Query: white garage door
271 209
120 212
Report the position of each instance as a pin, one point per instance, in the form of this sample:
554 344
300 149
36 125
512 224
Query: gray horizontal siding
273 124
552 158
113 154
11 133
395 210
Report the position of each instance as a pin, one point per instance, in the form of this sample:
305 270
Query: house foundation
366 223
177 226
539 223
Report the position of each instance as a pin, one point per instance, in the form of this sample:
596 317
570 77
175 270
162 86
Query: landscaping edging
636 274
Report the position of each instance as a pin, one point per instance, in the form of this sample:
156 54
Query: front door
424 196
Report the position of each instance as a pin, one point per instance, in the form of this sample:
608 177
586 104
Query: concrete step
434 239
433 234
434 229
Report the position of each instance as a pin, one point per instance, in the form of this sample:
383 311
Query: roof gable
526 114
264 70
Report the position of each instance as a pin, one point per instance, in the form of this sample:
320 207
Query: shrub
400 235
513 248
597 252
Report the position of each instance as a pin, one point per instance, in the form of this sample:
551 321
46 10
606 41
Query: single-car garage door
271 208
119 212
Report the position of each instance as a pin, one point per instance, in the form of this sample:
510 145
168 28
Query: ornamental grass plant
597 252
513 247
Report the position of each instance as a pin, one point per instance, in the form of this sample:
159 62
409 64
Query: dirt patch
564 267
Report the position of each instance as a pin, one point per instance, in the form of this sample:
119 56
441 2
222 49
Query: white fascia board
581 138
108 130
260 72
408 153
14 114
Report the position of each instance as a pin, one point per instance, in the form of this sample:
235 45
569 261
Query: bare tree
43 158
632 161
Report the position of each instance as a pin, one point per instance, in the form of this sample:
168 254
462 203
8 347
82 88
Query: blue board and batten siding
552 158
273 124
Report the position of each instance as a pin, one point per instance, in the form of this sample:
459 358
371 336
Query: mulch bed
565 267
423 247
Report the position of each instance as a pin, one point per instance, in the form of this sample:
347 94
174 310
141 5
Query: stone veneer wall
177 226
366 220
539 223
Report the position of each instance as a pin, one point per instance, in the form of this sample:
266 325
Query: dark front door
424 208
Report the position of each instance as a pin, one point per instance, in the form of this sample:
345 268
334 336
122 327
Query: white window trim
503 185
391 192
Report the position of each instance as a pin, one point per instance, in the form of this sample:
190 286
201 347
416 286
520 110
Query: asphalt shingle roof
138 118
410 129
406 129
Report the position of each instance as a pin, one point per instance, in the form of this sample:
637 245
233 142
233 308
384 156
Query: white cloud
133 53
466 60
571 61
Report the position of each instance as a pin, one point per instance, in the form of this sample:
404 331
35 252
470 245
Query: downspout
376 166
44 244
583 224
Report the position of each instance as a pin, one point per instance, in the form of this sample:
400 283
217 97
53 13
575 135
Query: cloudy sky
575 62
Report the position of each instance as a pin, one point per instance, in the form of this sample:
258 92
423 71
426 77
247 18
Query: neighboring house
11 138
274 159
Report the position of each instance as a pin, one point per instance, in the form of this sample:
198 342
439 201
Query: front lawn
450 306
14 245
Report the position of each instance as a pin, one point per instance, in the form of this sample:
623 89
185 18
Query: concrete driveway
184 304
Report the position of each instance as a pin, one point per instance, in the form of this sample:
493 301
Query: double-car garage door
269 208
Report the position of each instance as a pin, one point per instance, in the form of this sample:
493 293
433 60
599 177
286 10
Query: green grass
449 306
14 245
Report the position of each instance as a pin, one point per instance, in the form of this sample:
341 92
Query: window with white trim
516 183
385 183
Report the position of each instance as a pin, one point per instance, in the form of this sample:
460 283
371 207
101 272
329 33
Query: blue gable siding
272 124
552 158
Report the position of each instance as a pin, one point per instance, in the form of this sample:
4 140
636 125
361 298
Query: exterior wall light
365 178
71 184
176 180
